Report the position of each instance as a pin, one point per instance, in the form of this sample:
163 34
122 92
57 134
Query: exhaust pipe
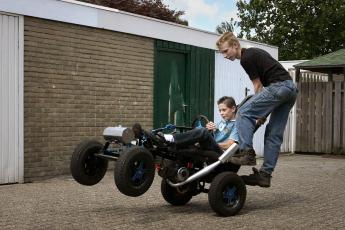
222 159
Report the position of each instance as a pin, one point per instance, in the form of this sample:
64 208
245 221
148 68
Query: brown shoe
259 178
245 157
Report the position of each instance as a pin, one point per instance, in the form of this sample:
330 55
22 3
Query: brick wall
77 81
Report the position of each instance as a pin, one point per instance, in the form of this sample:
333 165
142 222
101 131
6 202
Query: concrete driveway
308 192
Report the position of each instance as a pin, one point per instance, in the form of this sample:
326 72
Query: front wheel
86 167
227 194
134 171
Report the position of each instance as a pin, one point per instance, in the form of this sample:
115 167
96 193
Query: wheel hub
139 172
230 196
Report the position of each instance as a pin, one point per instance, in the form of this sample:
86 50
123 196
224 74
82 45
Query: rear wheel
86 167
134 171
227 194
177 196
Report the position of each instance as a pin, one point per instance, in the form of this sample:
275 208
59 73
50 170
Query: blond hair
228 37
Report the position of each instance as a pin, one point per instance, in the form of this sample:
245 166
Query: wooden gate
320 125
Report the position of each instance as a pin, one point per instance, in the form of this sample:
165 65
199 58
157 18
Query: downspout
294 114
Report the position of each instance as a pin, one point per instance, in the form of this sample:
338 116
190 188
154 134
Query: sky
205 14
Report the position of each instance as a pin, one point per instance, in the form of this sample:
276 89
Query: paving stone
307 193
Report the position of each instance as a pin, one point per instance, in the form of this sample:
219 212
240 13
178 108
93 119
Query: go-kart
185 172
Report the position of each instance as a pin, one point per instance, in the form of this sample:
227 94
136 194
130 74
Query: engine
182 174
174 172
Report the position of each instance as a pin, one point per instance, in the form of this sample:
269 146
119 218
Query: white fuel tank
122 134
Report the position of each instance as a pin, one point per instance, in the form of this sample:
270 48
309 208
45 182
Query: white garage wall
11 99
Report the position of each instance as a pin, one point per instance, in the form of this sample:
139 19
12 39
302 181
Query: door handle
246 91
185 108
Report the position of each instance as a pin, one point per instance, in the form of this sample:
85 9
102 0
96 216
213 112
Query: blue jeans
276 99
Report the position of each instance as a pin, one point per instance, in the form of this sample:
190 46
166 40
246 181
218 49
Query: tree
226 26
150 8
302 29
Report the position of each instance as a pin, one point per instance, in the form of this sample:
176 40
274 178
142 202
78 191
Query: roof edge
86 14
155 19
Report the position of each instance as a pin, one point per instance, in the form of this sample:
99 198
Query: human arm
251 63
257 85
211 126
257 88
226 144
232 136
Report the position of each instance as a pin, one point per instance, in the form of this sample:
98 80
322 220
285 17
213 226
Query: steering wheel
200 121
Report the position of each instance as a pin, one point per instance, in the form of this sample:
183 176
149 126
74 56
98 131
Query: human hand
211 126
260 121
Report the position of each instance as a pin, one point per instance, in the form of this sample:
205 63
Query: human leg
268 100
273 138
274 135
197 135
256 108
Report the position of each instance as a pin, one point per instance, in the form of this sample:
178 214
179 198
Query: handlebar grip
167 127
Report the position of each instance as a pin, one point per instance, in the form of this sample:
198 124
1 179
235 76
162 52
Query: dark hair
228 101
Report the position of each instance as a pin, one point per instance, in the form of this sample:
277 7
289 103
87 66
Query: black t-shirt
260 64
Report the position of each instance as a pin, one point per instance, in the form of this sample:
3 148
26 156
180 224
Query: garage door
232 80
11 98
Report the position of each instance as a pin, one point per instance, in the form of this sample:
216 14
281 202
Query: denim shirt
226 130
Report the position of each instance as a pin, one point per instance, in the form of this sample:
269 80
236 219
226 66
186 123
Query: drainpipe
294 115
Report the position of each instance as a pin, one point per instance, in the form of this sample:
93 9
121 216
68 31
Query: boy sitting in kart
215 137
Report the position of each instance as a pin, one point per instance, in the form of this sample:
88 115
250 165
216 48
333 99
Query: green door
170 91
183 84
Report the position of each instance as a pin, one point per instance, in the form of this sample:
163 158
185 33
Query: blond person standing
275 94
